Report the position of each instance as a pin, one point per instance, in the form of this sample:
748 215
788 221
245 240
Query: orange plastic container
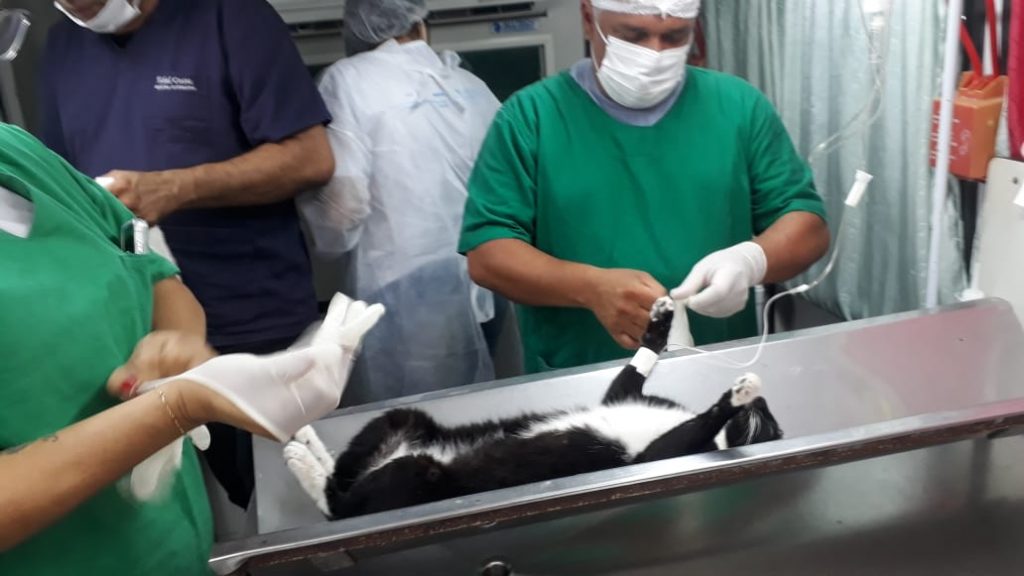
976 116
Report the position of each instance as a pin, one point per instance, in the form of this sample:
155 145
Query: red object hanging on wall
977 109
1016 77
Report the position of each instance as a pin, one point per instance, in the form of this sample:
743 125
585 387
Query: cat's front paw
662 313
309 472
308 437
663 309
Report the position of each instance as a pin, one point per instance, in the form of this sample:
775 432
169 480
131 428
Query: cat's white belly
634 425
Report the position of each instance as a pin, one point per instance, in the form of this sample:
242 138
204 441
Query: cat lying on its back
404 458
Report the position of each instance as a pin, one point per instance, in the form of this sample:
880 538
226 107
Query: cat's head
753 425
403 482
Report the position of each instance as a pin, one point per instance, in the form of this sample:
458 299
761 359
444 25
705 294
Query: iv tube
860 186
875 16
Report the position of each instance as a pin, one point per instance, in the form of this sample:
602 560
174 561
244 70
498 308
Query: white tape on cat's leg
644 361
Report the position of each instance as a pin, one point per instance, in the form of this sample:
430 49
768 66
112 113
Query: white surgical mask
639 77
114 15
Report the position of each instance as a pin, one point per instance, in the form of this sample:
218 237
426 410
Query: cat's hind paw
746 390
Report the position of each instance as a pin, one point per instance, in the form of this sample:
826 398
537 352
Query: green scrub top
72 307
557 172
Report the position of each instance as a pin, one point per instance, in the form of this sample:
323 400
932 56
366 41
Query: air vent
313 29
490 13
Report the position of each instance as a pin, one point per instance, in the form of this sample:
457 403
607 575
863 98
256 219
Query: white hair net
676 8
370 23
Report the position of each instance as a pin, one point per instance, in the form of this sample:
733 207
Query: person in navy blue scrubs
209 124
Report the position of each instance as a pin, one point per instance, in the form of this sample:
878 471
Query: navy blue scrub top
202 81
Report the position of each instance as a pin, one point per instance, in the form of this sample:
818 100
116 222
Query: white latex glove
286 391
282 392
346 323
719 285
152 477
237 377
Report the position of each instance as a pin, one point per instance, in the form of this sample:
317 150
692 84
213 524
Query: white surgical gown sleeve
335 213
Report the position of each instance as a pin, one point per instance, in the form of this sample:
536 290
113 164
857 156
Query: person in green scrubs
83 322
73 306
599 187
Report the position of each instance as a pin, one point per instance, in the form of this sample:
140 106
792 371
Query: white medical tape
644 361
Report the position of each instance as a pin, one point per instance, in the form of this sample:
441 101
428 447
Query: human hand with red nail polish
160 354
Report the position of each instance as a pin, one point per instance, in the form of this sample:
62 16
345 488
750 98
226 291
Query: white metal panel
1000 265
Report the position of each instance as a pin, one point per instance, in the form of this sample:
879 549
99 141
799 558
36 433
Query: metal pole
949 84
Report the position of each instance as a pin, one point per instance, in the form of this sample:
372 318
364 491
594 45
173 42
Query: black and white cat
404 458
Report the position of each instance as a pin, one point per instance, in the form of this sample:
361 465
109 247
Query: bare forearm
528 276
175 308
270 173
46 479
792 244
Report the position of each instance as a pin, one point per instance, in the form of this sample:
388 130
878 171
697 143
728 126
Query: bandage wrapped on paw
282 392
680 337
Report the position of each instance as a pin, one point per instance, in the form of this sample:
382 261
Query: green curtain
812 58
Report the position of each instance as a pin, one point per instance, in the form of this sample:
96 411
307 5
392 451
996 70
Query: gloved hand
281 393
719 285
286 391
266 389
346 323
159 355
